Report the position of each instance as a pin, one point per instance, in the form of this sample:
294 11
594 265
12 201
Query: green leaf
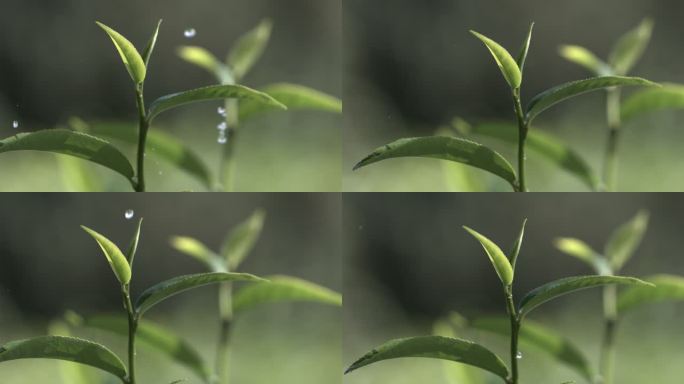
199 251
133 245
206 60
544 144
670 96
64 348
445 148
625 240
499 260
249 48
129 55
515 250
176 285
161 145
214 92
524 50
629 49
509 68
667 288
436 347
544 339
76 176
585 58
455 373
70 372
71 143
147 53
152 335
283 288
114 256
581 250
555 95
458 177
562 287
241 240
294 97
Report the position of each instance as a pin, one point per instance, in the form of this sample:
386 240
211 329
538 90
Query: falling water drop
222 139
222 126
519 355
221 111
129 214
190 33
15 124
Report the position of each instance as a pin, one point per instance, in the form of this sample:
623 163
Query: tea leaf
283 288
455 373
154 336
458 177
515 250
199 251
625 240
114 256
176 285
71 143
241 240
147 53
64 348
436 347
129 55
76 177
133 245
499 260
555 95
73 373
670 96
249 48
214 92
509 68
667 288
557 288
445 148
205 59
294 97
544 339
581 250
585 58
629 49
524 50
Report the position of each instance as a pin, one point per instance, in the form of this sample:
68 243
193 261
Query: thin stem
143 126
226 320
226 172
515 331
614 123
523 127
132 329
607 362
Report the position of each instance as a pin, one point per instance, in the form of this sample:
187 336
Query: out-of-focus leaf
283 288
147 53
199 251
76 176
294 97
625 240
581 250
629 49
508 66
114 256
241 240
501 264
129 55
205 59
455 373
667 288
249 48
670 96
73 373
458 177
585 58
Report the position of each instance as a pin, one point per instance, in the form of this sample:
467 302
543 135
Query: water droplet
222 139
519 355
190 33
15 124
221 111
129 214
222 127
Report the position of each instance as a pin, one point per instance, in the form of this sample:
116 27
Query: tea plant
475 355
482 157
90 353
617 252
236 247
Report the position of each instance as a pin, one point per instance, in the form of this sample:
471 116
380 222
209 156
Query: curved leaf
70 372
147 53
199 251
509 68
524 50
667 288
294 97
585 58
214 92
625 240
249 48
555 95
445 148
581 250
242 239
542 338
283 288
151 335
64 348
501 264
114 256
71 143
76 176
515 249
455 373
205 59
562 287
133 245
629 49
436 347
670 96
129 55
176 285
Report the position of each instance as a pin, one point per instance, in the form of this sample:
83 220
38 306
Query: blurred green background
411 66
48 265
55 63
408 262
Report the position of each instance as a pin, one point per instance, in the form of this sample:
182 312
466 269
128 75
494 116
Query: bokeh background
408 262
48 265
411 67
55 63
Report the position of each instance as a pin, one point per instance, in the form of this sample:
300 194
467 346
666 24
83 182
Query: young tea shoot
479 156
453 349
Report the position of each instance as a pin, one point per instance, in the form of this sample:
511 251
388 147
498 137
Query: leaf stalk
523 128
132 330
614 124
515 331
143 127
226 321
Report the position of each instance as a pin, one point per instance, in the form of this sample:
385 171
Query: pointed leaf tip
129 54
498 259
114 256
508 66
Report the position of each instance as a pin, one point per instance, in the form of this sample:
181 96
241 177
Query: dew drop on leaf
222 139
190 33
15 124
221 111
222 127
519 355
129 214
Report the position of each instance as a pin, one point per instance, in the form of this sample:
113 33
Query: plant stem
614 123
226 172
607 361
515 331
523 127
143 126
132 329
226 320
